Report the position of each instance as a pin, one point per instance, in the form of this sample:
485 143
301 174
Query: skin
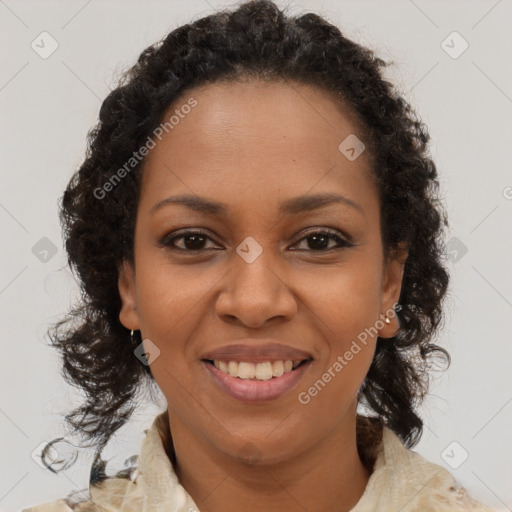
253 145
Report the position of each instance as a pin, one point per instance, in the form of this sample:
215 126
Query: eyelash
333 235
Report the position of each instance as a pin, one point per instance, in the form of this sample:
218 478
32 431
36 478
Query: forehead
253 137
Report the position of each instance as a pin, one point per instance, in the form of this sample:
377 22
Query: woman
257 231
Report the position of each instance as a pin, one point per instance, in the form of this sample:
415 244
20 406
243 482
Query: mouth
257 370
257 381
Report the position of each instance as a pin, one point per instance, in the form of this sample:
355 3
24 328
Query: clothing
402 480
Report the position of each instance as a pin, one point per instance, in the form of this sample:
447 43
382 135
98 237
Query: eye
319 240
193 240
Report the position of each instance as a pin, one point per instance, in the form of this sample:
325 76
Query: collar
401 480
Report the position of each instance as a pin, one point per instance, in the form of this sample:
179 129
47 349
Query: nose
254 293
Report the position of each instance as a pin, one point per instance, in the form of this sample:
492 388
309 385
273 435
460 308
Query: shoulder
122 491
110 494
55 506
403 477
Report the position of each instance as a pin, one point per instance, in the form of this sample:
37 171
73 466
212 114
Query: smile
262 371
261 381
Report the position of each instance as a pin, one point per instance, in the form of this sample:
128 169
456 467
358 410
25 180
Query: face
286 263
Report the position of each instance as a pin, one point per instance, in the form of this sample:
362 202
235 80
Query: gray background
47 106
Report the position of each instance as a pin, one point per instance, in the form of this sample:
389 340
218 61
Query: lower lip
252 390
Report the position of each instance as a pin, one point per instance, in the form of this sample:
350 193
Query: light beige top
402 480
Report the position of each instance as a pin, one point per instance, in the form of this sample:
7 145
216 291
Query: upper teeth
260 371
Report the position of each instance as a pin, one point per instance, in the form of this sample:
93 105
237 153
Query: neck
329 475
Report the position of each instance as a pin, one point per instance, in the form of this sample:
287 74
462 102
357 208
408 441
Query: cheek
171 307
344 305
346 298
344 316
166 293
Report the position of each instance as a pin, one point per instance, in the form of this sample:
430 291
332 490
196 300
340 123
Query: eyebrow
296 205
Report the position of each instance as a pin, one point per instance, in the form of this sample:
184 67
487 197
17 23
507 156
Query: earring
132 338
387 320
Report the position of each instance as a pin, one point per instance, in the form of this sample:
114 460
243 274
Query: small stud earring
387 320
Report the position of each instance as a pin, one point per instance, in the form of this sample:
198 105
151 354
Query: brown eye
192 241
195 240
319 241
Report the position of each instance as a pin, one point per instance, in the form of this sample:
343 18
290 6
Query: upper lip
256 350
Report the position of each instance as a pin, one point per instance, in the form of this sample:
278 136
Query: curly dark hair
255 40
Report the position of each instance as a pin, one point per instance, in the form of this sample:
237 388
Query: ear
128 315
390 292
